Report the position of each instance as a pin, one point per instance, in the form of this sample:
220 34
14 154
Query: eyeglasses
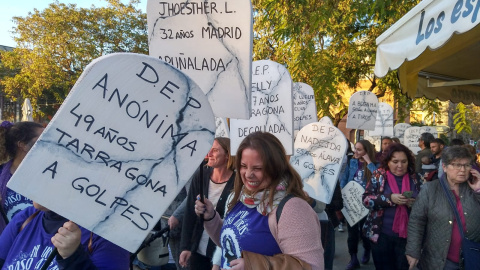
458 166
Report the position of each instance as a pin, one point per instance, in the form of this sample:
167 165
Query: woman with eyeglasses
434 239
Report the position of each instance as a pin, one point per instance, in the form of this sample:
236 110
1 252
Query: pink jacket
297 232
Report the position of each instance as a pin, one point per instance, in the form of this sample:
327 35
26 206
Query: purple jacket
32 245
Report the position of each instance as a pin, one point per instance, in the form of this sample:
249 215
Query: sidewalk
341 253
342 258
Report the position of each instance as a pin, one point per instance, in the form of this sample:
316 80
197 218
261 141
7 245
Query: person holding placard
288 236
217 181
359 169
15 142
33 233
389 196
434 237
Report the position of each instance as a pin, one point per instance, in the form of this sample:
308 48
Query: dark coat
335 205
376 202
430 224
192 226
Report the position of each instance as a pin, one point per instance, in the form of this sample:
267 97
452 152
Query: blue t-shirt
15 203
12 201
359 175
30 248
246 229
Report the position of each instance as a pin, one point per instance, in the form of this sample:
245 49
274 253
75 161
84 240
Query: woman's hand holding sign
67 239
205 209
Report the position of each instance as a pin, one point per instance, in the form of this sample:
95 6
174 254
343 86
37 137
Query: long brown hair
368 147
275 166
11 134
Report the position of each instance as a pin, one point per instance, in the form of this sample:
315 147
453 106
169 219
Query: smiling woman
253 234
216 180
252 173
359 169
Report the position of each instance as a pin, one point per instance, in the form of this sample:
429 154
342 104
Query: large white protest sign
211 41
412 134
304 107
272 106
353 209
222 129
319 153
384 122
399 131
126 140
362 110
326 120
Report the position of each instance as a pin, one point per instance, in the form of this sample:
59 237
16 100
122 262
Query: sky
20 8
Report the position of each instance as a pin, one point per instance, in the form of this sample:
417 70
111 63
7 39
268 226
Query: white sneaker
340 228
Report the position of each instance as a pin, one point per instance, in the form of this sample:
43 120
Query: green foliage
460 119
56 44
426 105
445 139
404 104
326 44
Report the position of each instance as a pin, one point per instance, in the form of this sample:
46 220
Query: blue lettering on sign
428 27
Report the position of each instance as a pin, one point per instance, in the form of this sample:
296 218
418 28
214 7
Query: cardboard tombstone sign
304 107
412 134
210 41
319 153
353 209
376 141
272 106
128 137
399 131
326 120
430 129
221 125
362 110
384 122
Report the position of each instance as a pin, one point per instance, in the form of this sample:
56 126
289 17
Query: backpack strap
282 204
28 220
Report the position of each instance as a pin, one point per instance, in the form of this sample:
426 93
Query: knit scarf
260 199
400 221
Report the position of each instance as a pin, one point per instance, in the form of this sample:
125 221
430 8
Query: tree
460 119
327 44
56 44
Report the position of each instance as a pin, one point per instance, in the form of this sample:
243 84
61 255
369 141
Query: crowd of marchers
249 211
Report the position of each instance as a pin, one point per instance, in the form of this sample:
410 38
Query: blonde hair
225 144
